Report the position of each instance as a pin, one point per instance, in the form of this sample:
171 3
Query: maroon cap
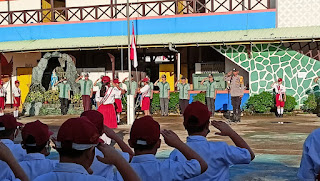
17 81
1 82
116 81
9 122
145 131
198 110
105 79
78 134
280 80
96 118
145 80
38 130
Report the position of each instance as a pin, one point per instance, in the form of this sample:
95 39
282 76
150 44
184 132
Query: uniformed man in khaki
236 85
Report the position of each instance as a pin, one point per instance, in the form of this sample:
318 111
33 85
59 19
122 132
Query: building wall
20 60
143 26
18 5
268 62
296 13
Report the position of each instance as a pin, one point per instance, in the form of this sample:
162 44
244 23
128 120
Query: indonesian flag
133 50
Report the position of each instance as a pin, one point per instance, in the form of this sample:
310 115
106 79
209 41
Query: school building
264 39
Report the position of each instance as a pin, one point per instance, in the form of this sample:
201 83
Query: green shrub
155 103
174 102
51 96
310 104
261 103
201 97
290 103
34 96
76 100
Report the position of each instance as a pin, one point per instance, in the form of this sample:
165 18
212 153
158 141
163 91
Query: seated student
8 131
98 167
310 161
145 139
76 141
219 155
11 167
36 140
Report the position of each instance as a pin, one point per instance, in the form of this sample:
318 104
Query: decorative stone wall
268 62
65 61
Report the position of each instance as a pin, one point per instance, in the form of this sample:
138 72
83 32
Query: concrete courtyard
277 146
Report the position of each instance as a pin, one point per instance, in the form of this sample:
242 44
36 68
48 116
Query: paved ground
278 146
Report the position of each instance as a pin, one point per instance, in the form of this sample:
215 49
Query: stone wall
268 62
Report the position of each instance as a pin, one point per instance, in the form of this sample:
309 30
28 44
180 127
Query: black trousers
150 109
64 105
183 104
236 102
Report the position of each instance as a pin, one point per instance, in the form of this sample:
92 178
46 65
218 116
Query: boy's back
219 156
35 164
18 152
149 168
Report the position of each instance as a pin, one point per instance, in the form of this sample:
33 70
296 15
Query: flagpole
130 98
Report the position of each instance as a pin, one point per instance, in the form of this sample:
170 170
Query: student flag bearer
164 89
86 88
3 93
16 92
106 96
145 96
64 95
280 96
184 96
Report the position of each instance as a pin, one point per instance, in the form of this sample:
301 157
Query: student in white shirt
117 100
3 93
10 168
280 96
36 140
145 139
106 96
145 96
310 161
219 155
98 167
16 94
76 142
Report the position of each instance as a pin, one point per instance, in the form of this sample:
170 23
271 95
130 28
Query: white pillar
178 66
130 109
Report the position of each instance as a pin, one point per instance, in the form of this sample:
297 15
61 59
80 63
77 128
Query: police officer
236 85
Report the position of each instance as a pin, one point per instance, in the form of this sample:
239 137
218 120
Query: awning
276 35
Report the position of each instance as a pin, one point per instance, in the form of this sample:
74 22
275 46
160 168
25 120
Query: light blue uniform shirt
105 170
69 172
218 155
149 168
18 152
36 164
310 161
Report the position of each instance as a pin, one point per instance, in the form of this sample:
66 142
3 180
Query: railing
138 9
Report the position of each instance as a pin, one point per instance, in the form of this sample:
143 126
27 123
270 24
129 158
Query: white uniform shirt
3 92
105 170
279 90
110 96
118 93
16 91
310 161
218 155
35 164
69 172
145 91
149 168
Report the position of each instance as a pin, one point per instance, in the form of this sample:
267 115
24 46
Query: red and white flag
133 49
